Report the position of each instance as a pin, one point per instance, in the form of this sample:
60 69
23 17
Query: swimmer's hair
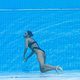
30 33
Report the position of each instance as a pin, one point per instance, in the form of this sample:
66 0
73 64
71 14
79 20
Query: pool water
66 75
56 31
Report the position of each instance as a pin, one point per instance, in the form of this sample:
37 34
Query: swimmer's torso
32 44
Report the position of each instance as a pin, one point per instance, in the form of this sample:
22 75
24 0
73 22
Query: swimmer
32 44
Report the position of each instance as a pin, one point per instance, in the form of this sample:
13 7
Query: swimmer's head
28 34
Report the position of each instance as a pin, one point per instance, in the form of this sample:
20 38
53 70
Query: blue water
57 33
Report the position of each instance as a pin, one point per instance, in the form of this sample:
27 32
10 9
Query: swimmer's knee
42 69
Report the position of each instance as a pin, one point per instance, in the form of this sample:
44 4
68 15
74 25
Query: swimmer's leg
45 67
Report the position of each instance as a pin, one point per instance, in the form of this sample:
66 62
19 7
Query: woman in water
32 44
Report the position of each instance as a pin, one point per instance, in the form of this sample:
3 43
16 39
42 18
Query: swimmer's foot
59 68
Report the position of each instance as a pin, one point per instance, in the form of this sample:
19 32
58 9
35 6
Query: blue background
57 32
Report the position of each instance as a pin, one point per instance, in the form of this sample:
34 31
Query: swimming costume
30 45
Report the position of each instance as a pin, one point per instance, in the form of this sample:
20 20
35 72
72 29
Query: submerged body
32 44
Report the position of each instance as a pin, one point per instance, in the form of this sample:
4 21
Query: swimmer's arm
26 47
30 55
25 50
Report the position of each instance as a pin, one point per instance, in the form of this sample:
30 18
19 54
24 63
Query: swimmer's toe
59 68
